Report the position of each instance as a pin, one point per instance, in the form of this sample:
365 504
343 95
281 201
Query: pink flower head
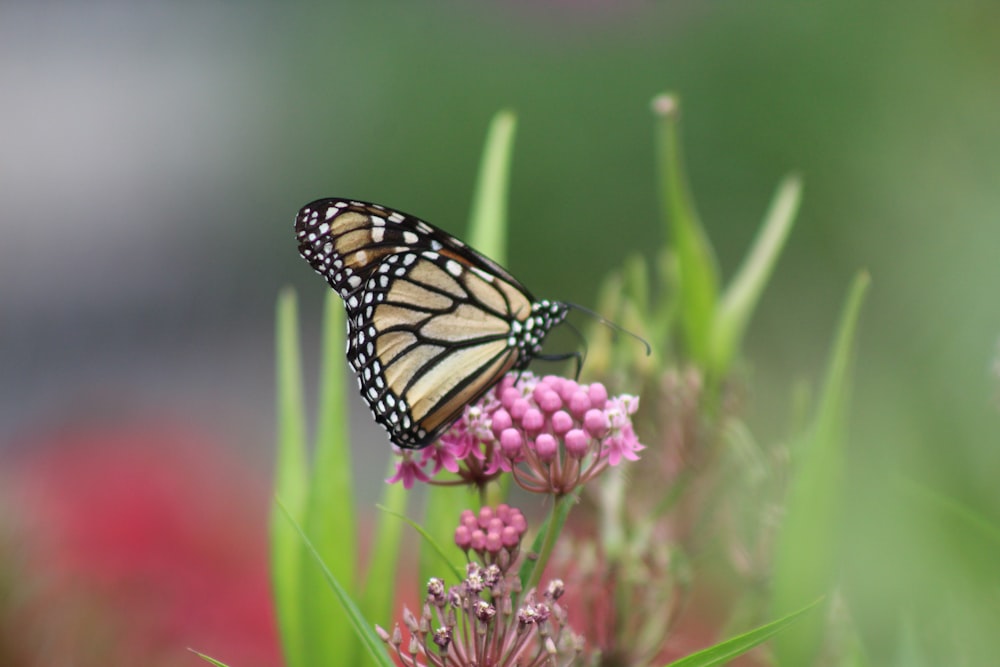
552 433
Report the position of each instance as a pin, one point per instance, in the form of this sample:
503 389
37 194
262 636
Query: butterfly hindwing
432 324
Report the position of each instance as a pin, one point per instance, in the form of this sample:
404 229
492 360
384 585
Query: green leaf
488 235
379 591
741 297
696 266
952 512
330 506
731 648
290 480
806 557
362 628
208 659
428 539
488 220
441 514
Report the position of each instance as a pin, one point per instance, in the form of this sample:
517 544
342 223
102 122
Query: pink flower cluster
551 433
493 535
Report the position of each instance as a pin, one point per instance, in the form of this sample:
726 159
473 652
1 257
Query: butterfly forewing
432 324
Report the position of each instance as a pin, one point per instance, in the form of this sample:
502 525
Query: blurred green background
152 157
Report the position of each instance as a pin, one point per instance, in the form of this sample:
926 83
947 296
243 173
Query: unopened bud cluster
494 536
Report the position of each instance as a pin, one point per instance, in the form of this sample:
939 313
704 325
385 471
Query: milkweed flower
484 620
551 433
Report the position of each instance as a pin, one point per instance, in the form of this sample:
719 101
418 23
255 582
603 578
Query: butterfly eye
432 324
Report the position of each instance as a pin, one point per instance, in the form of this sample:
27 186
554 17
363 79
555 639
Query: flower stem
560 510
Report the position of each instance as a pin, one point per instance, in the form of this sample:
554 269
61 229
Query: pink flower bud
511 442
561 422
533 421
478 540
501 420
598 395
508 396
579 403
546 447
596 422
494 542
547 399
518 521
576 443
462 538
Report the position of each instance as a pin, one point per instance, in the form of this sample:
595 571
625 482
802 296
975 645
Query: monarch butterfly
432 324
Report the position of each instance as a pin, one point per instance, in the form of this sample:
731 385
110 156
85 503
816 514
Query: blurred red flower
129 544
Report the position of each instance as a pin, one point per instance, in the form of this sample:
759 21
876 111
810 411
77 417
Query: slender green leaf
488 234
952 512
697 270
429 540
441 514
909 651
379 592
741 297
488 221
208 659
362 628
731 648
806 556
330 506
290 480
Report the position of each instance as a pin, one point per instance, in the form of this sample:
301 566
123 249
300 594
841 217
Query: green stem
557 518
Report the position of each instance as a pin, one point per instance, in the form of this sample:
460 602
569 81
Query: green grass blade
487 234
488 221
429 540
731 648
363 630
950 511
806 557
443 509
741 297
330 506
379 594
208 659
290 480
696 265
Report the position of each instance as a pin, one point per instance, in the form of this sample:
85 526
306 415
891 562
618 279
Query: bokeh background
152 157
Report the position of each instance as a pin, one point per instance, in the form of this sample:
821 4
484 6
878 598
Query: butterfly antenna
580 358
611 325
